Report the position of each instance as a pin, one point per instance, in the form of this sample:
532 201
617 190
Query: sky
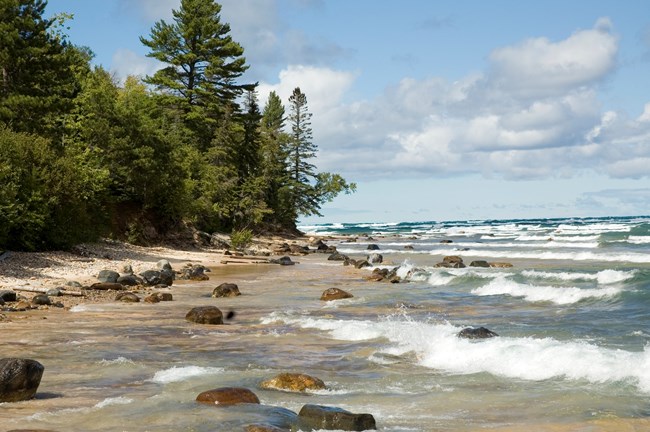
440 110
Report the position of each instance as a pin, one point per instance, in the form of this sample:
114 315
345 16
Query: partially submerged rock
205 315
226 290
335 294
294 382
315 417
19 379
476 333
226 396
195 272
127 297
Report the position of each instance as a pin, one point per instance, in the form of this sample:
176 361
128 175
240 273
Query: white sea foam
117 361
436 346
534 293
181 373
603 277
113 401
551 255
639 239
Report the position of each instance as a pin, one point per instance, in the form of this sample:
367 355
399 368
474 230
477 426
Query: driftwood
244 262
45 290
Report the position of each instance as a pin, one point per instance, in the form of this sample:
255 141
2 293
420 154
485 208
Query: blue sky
441 110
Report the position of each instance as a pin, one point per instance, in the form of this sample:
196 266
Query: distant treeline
83 156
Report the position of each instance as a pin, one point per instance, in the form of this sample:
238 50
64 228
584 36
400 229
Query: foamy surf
436 346
536 293
181 373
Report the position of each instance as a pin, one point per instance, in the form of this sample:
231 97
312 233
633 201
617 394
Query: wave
534 293
551 255
603 277
436 346
181 373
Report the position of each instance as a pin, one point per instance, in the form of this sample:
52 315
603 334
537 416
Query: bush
239 239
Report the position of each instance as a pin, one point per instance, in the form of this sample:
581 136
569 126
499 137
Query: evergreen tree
203 64
308 189
36 83
249 153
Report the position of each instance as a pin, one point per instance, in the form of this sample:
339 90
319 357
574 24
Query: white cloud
126 62
151 10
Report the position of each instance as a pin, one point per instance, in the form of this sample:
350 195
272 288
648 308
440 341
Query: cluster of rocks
310 416
314 246
11 301
454 261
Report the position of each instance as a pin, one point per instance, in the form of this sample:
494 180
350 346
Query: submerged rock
452 261
372 247
226 396
127 297
337 256
194 272
315 417
295 382
205 315
335 294
285 261
479 263
19 379
500 265
226 290
476 333
375 258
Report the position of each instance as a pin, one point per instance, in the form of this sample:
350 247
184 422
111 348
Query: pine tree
36 83
203 64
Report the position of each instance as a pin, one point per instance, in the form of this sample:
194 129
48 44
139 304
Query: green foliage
240 239
44 196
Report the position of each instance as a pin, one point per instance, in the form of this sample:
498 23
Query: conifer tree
203 64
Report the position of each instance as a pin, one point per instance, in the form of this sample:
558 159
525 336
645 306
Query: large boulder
19 379
130 280
41 300
335 294
372 247
205 315
337 256
226 396
108 276
8 295
476 333
163 264
294 382
316 417
226 290
451 262
479 263
375 258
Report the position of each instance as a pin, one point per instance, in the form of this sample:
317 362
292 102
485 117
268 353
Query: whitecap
603 277
535 293
113 401
181 373
118 361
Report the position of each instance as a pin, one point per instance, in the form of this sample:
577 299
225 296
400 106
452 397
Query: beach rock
451 262
375 258
476 333
285 261
226 396
378 275
205 315
109 276
446 241
158 297
479 263
226 290
54 292
41 300
127 297
194 272
8 296
281 249
500 265
335 294
293 382
408 247
73 284
19 379
126 270
362 264
105 286
298 250
151 277
218 242
316 417
337 256
372 247
130 280
163 264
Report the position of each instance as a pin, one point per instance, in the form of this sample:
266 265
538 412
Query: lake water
572 314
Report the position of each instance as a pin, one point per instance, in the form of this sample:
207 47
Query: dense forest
83 156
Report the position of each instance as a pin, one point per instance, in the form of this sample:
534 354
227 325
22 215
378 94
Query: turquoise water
572 314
